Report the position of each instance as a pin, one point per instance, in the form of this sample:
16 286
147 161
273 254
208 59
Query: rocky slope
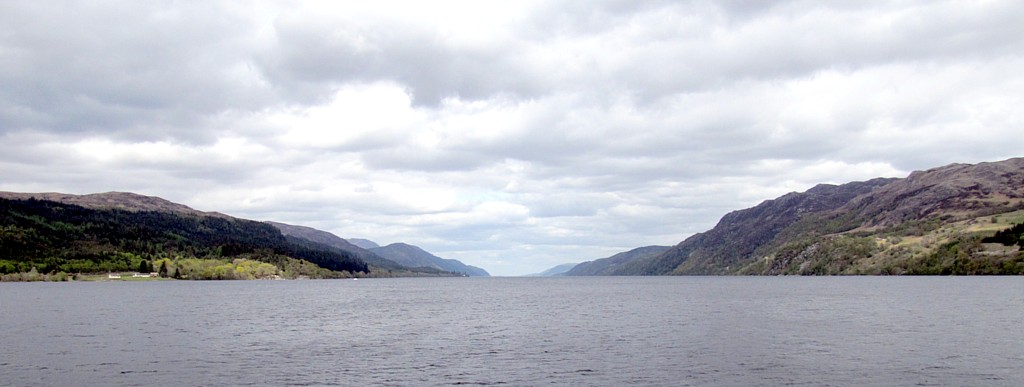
881 226
958 190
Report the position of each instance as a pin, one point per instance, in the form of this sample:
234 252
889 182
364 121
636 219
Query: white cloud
360 117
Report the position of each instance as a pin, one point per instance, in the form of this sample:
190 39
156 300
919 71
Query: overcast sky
510 135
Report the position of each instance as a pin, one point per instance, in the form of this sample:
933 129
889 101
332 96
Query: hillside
412 256
608 266
112 201
331 240
178 226
740 233
51 236
376 262
931 222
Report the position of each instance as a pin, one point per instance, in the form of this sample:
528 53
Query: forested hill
52 236
931 222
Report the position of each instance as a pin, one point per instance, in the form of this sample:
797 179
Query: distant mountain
334 241
412 256
363 243
931 222
376 262
609 266
401 256
554 271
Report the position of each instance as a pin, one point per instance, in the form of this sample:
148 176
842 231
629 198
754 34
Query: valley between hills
960 219
53 236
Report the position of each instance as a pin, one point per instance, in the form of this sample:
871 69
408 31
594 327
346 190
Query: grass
980 226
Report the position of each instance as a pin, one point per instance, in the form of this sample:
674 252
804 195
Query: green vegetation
33 276
959 248
827 256
248 269
39 236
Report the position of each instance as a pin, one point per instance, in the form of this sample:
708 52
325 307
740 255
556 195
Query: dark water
517 331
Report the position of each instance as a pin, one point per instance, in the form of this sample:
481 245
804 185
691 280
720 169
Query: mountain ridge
844 229
363 243
368 255
53 236
306 240
935 221
128 201
413 256
606 266
334 241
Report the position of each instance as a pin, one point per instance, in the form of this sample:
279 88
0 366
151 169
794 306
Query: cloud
511 135
438 52
137 72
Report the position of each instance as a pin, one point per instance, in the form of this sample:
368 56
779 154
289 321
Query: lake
816 331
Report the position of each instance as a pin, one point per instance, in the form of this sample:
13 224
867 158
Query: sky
510 135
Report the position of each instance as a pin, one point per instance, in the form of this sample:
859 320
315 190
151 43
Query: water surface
517 331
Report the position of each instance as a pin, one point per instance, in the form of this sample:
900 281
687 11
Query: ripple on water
517 331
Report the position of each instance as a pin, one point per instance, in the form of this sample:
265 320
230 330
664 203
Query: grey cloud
126 69
566 204
309 59
680 55
428 160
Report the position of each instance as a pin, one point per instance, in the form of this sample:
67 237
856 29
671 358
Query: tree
163 269
145 267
